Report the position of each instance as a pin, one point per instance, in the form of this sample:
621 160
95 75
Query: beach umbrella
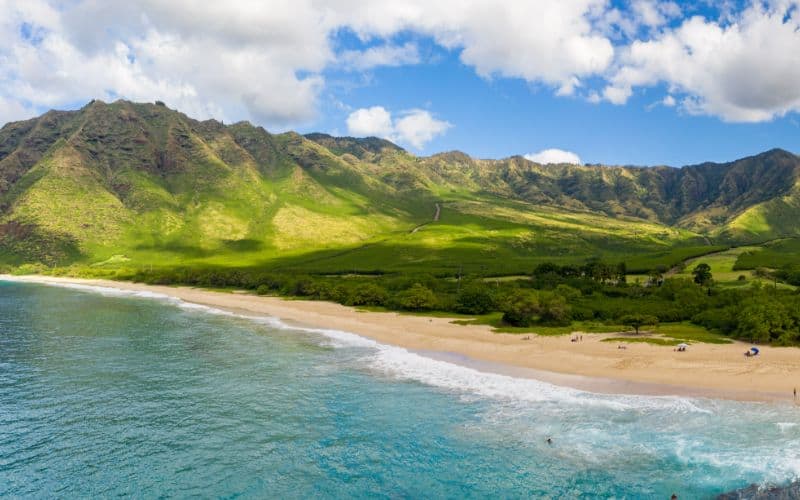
754 349
683 346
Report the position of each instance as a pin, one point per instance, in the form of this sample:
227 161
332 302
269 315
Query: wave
402 364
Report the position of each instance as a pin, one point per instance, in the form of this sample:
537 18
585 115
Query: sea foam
399 363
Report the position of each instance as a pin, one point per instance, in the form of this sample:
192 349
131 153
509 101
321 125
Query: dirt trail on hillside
435 219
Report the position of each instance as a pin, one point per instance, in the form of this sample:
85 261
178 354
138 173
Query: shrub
368 294
475 299
554 310
568 292
522 309
417 298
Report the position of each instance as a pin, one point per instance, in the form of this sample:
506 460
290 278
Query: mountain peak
360 147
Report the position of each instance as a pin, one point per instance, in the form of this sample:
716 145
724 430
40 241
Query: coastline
717 371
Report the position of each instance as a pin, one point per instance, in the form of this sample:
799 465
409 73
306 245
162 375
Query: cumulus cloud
746 71
552 41
259 61
416 127
384 55
11 111
547 156
266 60
652 13
374 121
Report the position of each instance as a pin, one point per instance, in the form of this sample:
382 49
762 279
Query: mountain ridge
140 178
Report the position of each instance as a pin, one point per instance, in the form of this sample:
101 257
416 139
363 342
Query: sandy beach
704 370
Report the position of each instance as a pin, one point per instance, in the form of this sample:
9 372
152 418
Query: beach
704 370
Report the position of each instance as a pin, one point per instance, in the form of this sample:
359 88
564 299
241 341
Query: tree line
551 295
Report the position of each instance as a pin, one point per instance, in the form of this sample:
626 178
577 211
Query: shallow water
115 393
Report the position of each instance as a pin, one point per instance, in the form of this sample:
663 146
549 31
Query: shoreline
717 371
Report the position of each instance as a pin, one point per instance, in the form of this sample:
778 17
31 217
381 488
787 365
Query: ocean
111 393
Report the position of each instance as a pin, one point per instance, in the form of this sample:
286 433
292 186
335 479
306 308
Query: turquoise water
104 393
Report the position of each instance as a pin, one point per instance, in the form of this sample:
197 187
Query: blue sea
108 393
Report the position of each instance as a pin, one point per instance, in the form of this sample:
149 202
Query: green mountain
135 185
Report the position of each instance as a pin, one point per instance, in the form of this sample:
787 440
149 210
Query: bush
554 310
568 292
368 294
263 290
475 299
522 309
417 298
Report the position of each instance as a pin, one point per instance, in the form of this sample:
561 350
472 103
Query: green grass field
726 266
771 255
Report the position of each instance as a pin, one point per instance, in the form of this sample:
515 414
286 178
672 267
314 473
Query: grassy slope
134 185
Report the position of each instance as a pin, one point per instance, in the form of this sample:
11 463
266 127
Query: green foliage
475 298
522 309
368 294
138 191
637 321
702 274
417 298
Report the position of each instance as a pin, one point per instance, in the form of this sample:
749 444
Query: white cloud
384 55
549 41
668 101
266 60
547 156
11 111
747 71
653 13
416 127
374 121
256 61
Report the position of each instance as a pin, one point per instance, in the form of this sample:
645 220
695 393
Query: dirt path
435 219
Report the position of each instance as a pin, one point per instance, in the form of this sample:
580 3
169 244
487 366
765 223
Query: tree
636 321
417 298
702 274
475 299
554 309
656 276
367 294
522 309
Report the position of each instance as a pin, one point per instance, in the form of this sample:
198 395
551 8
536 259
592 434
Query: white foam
403 364
399 363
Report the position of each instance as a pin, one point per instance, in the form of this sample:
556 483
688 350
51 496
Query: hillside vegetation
126 185
139 191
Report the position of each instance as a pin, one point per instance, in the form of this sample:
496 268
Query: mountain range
140 185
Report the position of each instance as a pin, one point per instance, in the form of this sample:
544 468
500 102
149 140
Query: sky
633 82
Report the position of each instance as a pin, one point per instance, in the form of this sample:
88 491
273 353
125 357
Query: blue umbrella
754 349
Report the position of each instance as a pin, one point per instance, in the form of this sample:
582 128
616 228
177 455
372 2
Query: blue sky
494 118
615 82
